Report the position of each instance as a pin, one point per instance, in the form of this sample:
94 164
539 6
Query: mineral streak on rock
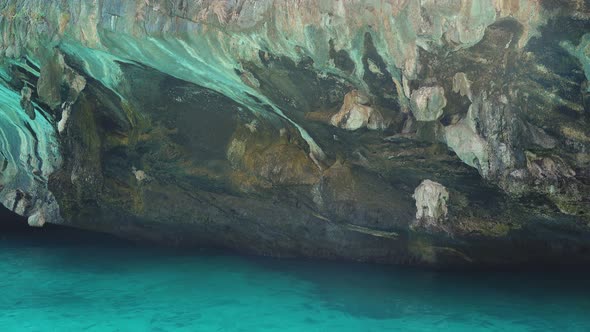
220 122
25 101
462 85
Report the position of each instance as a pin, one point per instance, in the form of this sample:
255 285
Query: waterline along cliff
435 132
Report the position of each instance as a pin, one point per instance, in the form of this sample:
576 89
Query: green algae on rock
304 128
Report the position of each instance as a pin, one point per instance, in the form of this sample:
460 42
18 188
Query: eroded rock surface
428 103
356 113
431 203
304 128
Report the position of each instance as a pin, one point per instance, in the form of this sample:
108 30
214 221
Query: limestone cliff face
426 132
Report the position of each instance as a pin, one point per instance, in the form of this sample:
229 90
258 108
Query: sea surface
69 281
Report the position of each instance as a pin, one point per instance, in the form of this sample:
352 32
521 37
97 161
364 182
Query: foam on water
65 285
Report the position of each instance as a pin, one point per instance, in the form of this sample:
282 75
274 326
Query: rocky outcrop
463 138
304 127
431 203
356 113
427 103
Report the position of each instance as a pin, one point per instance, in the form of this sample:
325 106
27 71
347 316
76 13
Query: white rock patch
431 201
427 103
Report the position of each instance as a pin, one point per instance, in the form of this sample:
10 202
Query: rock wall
304 127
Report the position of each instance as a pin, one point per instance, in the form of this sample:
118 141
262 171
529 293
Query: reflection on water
66 281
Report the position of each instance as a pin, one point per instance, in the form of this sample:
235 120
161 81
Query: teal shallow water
57 285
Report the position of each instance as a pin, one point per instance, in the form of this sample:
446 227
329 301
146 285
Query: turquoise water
60 284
